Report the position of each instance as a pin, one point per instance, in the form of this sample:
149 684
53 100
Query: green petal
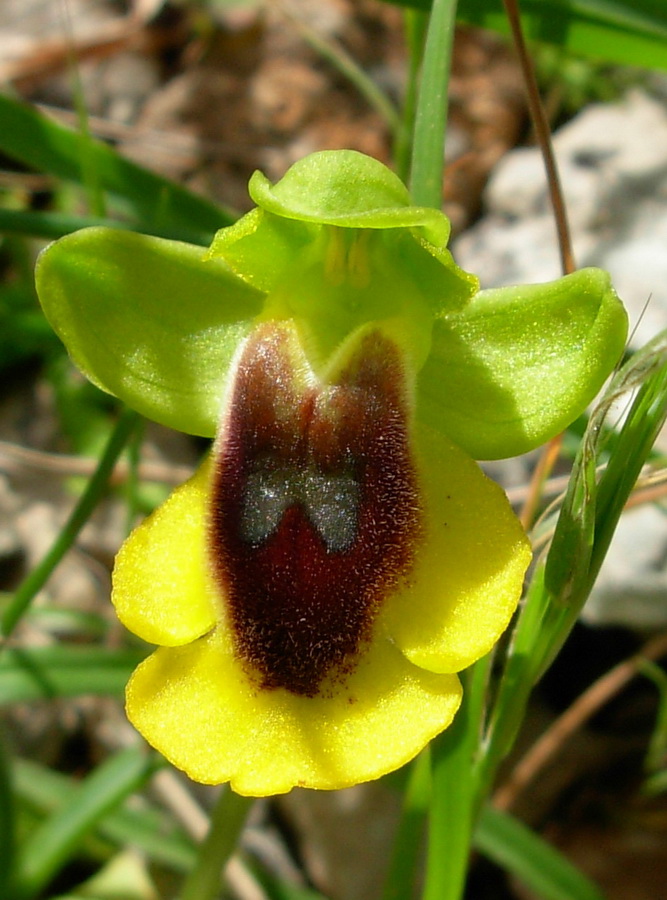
349 189
517 365
162 589
468 574
260 246
196 705
147 320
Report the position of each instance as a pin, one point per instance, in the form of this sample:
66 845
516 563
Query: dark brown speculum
315 507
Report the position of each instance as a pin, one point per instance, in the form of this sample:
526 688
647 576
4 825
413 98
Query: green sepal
348 189
517 365
148 320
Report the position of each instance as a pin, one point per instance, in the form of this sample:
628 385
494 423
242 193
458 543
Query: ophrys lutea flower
339 557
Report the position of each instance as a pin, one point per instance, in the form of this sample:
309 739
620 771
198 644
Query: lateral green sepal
348 189
518 364
148 320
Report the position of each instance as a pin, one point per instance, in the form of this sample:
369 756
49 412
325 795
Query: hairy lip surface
315 508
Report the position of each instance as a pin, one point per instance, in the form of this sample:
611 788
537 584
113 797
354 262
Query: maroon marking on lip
301 607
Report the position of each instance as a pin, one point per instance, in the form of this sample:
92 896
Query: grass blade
143 828
64 670
539 865
409 838
37 142
428 148
45 852
630 32
7 834
53 225
77 519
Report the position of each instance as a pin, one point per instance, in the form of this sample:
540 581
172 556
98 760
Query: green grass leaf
631 32
44 853
156 203
144 827
539 865
35 580
64 670
53 225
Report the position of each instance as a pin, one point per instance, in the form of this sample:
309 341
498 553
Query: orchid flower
339 557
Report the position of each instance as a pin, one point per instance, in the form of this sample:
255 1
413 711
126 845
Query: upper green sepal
148 320
518 364
348 189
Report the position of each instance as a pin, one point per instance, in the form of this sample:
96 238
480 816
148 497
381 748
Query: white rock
613 165
631 589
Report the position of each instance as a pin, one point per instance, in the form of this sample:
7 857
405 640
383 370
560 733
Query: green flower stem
428 155
78 518
133 481
408 841
229 815
454 798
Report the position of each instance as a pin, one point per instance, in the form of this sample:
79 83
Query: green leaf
64 671
53 843
430 125
54 225
144 827
517 365
618 31
539 865
148 321
569 581
158 203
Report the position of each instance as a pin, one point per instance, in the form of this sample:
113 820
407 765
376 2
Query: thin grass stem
543 135
95 488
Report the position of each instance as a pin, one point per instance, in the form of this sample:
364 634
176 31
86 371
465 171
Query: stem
229 815
78 518
428 156
409 839
543 135
455 796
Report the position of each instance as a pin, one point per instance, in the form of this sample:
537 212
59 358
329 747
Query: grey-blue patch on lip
329 499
